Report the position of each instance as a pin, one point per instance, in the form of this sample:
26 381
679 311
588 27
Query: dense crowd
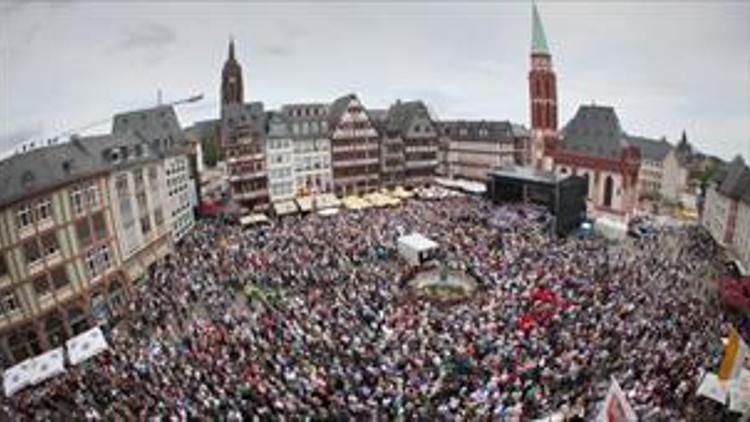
310 316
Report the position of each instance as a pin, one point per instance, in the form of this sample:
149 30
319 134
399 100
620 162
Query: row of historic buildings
345 148
82 221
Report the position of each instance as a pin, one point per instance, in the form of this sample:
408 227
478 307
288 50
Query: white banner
712 388
17 377
47 365
739 393
86 345
616 407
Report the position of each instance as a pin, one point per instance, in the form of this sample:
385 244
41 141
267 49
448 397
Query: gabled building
409 150
160 128
80 223
355 147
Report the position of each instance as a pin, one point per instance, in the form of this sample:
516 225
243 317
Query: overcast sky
663 65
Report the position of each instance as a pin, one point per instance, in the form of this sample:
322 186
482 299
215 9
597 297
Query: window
24 218
104 257
59 277
49 243
158 217
83 230
76 200
138 178
145 224
8 302
44 209
31 251
121 185
92 196
100 226
140 198
152 174
90 262
3 265
41 285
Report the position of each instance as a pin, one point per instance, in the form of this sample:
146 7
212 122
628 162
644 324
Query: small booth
416 249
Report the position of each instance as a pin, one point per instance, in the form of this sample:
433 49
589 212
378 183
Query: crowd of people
311 317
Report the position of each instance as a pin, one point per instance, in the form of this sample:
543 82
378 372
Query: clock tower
543 95
231 79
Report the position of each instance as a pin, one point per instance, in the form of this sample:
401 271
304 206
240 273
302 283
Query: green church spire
538 40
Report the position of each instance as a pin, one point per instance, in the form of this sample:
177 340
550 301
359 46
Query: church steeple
231 79
538 39
543 95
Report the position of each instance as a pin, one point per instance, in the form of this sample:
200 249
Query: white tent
17 377
610 228
253 219
416 248
86 345
47 365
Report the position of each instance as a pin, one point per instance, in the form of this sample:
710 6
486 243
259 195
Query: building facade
355 147
726 211
473 149
280 159
308 124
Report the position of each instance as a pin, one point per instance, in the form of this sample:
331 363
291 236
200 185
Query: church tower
231 79
543 95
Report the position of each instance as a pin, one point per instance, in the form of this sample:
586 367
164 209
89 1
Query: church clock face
232 79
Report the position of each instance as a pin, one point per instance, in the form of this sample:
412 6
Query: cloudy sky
664 65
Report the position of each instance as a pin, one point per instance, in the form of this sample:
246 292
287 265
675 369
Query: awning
305 203
86 345
326 200
285 207
401 193
253 219
354 202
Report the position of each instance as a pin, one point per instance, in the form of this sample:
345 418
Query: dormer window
114 156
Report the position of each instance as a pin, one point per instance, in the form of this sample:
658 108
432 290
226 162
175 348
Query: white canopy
415 248
327 212
86 345
610 228
285 207
253 219
326 200
47 365
417 242
17 377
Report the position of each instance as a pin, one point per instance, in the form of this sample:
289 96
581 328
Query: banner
713 388
616 407
735 354
739 393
